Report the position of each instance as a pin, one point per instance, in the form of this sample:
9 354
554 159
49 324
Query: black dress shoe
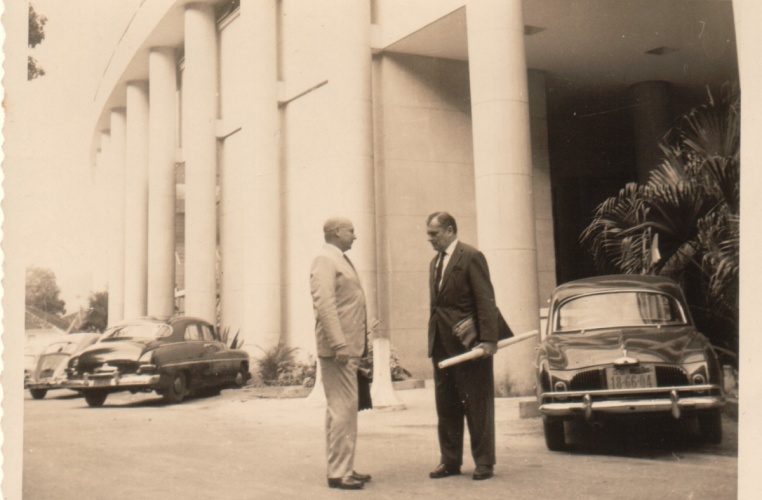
483 472
363 478
444 470
345 483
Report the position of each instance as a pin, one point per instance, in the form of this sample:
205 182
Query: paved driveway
239 446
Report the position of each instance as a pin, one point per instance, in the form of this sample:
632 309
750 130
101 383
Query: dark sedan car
172 356
49 367
625 345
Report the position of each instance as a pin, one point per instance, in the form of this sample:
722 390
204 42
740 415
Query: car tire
38 393
95 399
242 376
177 390
710 426
555 437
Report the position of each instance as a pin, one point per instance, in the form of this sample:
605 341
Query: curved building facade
225 133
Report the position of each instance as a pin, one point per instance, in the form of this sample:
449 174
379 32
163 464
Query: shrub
277 367
398 372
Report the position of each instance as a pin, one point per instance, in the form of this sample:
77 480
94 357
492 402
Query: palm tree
684 221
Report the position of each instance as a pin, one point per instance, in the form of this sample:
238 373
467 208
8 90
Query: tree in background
36 36
684 222
96 318
42 291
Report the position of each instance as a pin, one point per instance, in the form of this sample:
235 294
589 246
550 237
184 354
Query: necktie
440 266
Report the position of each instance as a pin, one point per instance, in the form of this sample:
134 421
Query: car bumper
674 400
115 381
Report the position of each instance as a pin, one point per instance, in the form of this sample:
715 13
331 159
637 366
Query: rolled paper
478 352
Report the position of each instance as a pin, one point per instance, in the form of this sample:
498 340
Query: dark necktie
440 266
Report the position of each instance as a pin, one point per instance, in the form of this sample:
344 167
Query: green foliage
277 367
96 318
42 291
398 372
36 35
235 342
684 222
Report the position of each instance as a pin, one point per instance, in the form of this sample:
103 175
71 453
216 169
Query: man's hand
489 348
342 356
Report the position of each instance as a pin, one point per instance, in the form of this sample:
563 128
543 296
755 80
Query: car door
215 353
198 360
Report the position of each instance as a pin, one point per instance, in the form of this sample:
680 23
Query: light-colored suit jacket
339 303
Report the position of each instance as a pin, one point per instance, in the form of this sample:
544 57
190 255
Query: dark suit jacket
466 290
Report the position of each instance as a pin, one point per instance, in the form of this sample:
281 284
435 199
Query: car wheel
710 425
38 393
177 390
242 376
555 438
95 399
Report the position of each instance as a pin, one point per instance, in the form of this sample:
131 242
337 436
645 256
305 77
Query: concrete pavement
241 446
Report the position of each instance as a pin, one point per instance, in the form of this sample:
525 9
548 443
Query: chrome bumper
113 381
674 400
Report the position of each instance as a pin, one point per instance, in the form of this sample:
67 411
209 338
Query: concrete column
116 249
136 206
543 198
651 120
102 199
200 153
503 176
162 131
263 220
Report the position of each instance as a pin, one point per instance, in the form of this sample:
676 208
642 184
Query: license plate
100 381
631 378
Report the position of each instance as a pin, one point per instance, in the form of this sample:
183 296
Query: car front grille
590 380
668 376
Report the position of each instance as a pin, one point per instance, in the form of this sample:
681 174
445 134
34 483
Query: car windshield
618 310
144 331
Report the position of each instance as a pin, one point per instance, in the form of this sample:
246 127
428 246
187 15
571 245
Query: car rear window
616 310
139 331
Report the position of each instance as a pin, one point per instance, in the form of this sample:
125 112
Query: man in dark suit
340 328
460 288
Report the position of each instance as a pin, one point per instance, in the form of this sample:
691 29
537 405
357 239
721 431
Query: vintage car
172 356
48 370
625 345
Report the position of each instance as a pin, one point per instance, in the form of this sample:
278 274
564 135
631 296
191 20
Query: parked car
624 345
48 370
172 356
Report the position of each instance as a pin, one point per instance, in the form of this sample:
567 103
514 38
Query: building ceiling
591 46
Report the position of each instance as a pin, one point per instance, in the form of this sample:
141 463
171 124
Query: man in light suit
340 327
460 287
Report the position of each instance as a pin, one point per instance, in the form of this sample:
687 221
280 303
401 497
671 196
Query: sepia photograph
408 248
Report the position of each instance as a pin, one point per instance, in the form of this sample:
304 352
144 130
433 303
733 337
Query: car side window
192 332
206 333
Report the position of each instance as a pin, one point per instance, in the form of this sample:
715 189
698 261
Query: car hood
648 345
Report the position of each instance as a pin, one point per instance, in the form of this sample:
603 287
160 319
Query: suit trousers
465 390
340 385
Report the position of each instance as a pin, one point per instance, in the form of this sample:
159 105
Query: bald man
340 328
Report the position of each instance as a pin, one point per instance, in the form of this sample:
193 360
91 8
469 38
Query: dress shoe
345 483
444 470
363 478
482 472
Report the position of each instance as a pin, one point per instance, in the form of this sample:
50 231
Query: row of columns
140 153
142 143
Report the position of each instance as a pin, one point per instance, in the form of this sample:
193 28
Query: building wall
424 163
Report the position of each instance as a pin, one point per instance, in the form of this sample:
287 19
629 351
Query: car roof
623 282
167 320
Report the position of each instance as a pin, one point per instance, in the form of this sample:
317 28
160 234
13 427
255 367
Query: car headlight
560 386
